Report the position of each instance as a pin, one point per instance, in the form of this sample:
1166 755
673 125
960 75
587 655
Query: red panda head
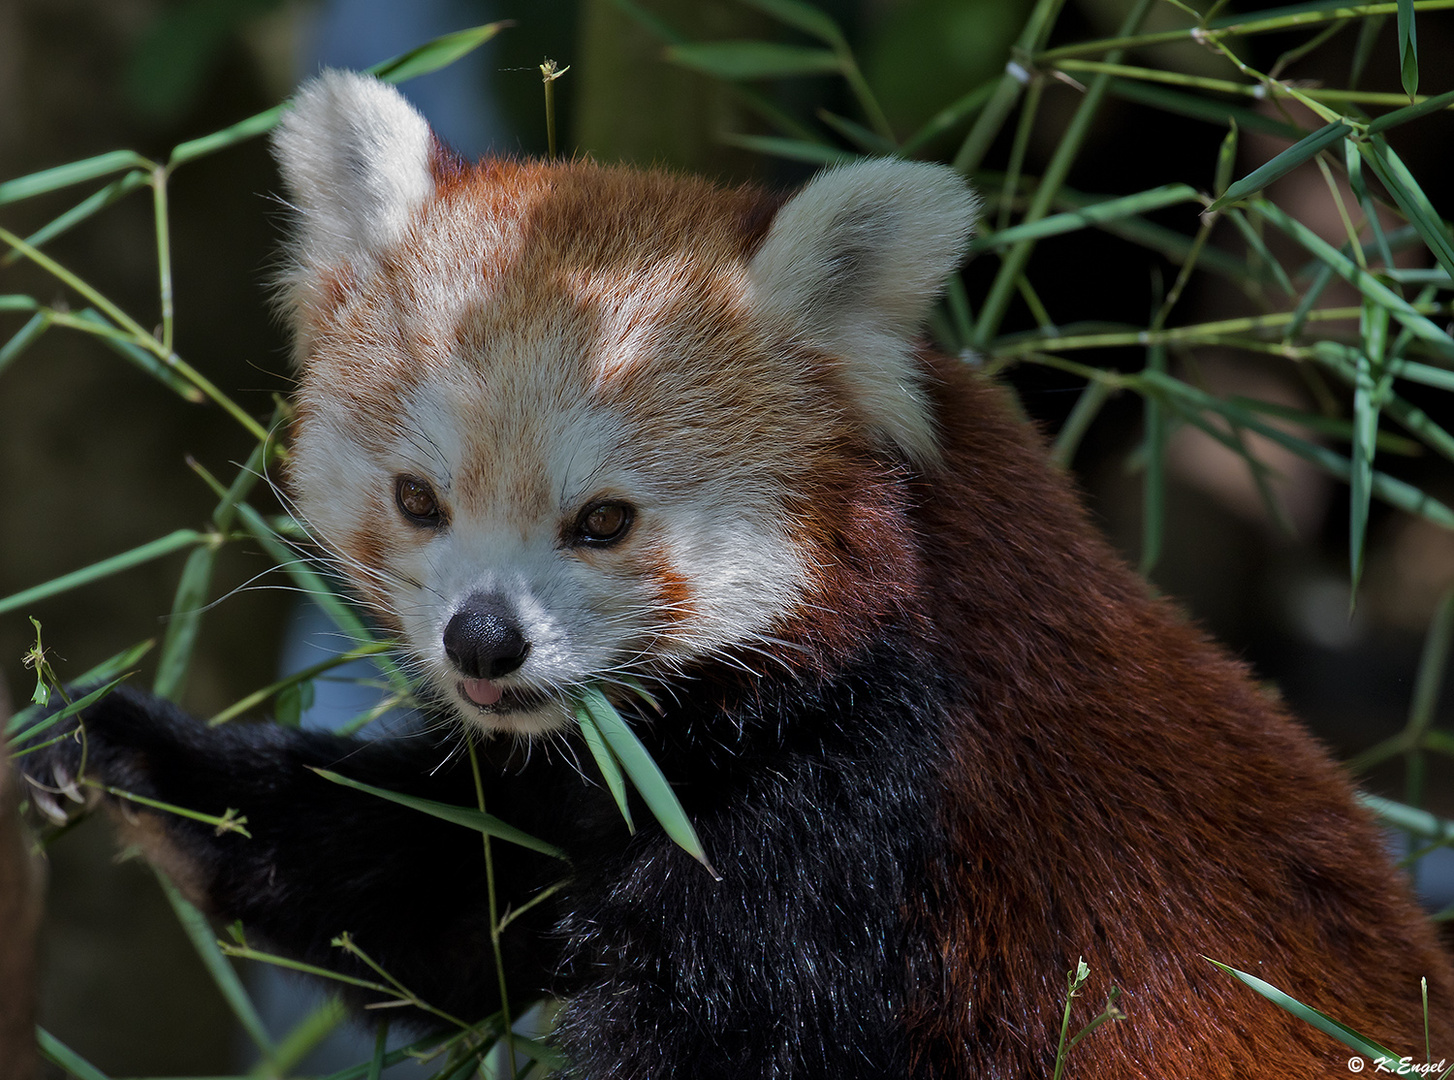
565 424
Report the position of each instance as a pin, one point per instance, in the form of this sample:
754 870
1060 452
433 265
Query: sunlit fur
531 339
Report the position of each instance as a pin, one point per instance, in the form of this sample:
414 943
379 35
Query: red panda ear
357 161
853 263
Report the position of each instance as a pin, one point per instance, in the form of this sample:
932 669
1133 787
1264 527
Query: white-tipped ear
853 263
356 158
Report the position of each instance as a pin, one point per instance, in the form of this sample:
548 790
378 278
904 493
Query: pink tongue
482 691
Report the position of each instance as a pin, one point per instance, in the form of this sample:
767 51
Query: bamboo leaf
120 342
1328 425
1320 1020
111 193
1198 107
307 1033
1437 103
175 541
59 1054
1087 407
1411 199
1360 279
645 775
467 816
204 941
1408 47
949 117
607 763
433 55
1369 29
74 708
76 172
1409 819
25 337
743 60
251 128
1142 202
1259 247
109 671
1226 158
1282 164
188 604
814 153
297 679
868 142
1391 490
804 17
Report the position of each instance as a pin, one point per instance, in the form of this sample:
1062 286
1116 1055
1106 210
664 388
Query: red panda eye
417 501
604 523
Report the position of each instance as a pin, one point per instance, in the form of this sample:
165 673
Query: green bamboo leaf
1320 1020
1328 425
59 1054
1099 213
74 708
1410 197
433 55
110 671
804 17
1408 47
544 1053
1393 491
743 60
1369 29
607 763
251 128
1087 407
1284 163
467 816
814 153
295 680
343 614
25 337
112 192
1226 158
1260 249
89 320
188 604
1437 103
1367 367
1360 279
645 775
1213 110
224 976
308 1033
76 172
869 142
1409 819
156 549
949 117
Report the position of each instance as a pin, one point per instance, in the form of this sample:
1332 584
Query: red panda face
563 425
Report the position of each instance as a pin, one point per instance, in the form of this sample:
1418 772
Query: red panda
565 425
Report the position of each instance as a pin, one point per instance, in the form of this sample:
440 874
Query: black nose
483 638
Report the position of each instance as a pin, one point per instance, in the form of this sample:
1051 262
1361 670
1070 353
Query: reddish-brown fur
1121 790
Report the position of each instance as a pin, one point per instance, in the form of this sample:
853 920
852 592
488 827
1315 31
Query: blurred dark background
92 453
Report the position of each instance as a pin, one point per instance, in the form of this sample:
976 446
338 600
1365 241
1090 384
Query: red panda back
1120 789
